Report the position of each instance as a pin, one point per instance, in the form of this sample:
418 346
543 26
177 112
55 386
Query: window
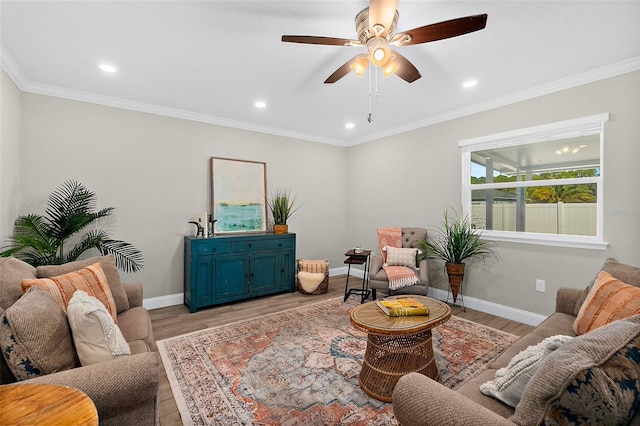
540 185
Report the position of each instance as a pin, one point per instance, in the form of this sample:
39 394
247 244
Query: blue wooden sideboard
227 268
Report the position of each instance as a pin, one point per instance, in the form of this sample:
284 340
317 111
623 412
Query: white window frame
590 125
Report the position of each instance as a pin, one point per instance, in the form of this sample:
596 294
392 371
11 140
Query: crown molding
13 70
587 77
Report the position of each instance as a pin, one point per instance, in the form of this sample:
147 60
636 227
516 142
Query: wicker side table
397 345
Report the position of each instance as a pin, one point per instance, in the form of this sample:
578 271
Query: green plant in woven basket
282 206
457 240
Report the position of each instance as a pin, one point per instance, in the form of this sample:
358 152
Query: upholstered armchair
378 280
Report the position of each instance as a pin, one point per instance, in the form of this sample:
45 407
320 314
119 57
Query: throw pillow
109 267
511 380
593 379
35 337
625 273
96 336
401 256
90 279
608 300
12 272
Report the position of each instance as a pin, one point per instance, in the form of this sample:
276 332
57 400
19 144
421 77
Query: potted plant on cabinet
456 241
282 207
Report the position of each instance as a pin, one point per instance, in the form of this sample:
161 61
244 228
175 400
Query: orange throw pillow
609 300
91 280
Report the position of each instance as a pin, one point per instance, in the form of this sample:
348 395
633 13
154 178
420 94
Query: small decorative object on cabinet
227 268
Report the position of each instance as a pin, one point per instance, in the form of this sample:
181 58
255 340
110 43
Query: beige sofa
418 400
125 389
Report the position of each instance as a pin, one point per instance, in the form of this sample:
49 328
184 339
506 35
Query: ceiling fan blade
342 71
442 30
331 41
382 12
406 70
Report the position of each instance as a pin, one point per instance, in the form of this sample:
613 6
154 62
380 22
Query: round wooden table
397 345
44 404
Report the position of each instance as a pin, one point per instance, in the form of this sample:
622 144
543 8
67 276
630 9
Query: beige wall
155 171
9 154
412 178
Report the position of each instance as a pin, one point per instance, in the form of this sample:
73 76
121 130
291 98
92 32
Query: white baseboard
503 311
163 301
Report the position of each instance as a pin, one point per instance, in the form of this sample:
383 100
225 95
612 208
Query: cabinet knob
279 244
249 244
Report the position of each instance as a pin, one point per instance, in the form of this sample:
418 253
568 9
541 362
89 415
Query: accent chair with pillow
579 366
77 325
410 241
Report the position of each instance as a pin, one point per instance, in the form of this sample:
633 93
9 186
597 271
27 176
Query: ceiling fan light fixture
360 64
389 68
379 51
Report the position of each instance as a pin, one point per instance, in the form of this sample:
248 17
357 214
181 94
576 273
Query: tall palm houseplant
456 241
282 206
45 240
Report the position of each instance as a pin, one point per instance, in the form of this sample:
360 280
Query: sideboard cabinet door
227 268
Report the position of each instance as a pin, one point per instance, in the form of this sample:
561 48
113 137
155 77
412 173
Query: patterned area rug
300 367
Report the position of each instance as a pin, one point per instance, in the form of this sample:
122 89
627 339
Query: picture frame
238 189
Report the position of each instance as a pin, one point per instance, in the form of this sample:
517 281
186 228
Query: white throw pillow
401 256
95 334
511 380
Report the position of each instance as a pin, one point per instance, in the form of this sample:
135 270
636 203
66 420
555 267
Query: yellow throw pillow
609 300
91 280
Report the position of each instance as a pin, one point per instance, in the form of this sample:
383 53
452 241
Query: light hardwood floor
176 320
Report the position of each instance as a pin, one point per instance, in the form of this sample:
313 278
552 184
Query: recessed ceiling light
260 104
469 84
107 68
349 125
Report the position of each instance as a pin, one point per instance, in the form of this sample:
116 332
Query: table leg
387 358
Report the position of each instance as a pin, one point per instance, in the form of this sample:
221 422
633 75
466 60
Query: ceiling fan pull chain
370 118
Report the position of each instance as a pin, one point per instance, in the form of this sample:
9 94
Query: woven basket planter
310 272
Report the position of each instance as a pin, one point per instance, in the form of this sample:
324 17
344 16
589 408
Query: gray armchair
378 280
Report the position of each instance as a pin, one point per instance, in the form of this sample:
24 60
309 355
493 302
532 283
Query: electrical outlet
540 286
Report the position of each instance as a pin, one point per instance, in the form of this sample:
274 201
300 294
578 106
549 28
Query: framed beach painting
238 195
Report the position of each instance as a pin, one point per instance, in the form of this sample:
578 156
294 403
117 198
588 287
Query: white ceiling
211 60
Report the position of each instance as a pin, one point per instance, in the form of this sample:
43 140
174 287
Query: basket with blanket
313 276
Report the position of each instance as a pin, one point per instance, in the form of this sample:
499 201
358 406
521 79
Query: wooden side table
397 345
44 404
358 258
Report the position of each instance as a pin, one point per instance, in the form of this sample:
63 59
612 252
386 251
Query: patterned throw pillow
90 279
35 337
608 300
401 256
96 336
593 379
109 267
588 398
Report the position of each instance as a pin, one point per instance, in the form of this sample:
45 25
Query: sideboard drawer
251 245
280 243
207 248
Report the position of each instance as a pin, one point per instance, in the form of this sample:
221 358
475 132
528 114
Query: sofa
557 389
124 389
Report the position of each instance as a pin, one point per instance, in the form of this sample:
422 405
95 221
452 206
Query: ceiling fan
375 27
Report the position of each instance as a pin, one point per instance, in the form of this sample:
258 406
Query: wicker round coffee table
397 345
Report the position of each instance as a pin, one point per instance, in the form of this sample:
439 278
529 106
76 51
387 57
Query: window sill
588 243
